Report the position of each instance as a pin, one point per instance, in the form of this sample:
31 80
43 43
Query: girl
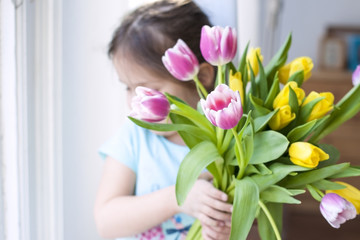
136 197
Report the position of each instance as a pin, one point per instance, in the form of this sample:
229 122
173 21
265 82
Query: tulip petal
356 76
181 62
336 210
218 45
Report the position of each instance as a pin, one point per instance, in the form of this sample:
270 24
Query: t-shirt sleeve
122 146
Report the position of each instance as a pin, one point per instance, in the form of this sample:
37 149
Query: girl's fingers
206 176
217 233
217 194
216 214
218 205
206 220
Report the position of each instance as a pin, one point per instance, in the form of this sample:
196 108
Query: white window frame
44 219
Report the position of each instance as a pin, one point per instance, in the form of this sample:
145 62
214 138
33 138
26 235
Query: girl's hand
209 205
216 233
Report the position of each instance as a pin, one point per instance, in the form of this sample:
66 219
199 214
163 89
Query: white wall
93 106
308 19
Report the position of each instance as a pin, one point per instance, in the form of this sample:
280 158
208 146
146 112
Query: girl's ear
206 75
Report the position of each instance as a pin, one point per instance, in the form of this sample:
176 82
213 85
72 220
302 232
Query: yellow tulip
252 59
236 84
282 118
306 155
282 98
322 107
301 63
350 193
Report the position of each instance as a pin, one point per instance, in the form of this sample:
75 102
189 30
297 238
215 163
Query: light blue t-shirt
155 161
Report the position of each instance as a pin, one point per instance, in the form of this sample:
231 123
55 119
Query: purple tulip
223 107
218 45
149 105
336 210
181 62
356 76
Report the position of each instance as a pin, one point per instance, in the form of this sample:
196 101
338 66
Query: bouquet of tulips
257 133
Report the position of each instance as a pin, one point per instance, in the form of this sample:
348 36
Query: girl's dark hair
146 33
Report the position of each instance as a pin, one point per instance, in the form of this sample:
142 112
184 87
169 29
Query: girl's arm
118 213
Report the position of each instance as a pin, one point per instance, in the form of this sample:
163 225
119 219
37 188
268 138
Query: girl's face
132 75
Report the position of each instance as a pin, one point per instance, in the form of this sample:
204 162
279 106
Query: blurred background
60 100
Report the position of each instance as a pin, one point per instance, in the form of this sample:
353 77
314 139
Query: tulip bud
149 105
282 118
181 62
282 98
322 107
301 63
252 60
217 44
356 76
222 107
236 84
306 155
350 193
336 210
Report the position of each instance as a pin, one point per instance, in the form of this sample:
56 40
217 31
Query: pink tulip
181 62
218 45
149 105
356 76
223 107
336 210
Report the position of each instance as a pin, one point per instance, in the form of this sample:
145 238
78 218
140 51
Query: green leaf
334 155
314 175
263 169
313 192
258 106
295 192
269 146
301 132
264 226
254 87
261 122
192 165
345 109
297 77
306 110
251 169
278 59
231 67
161 127
248 143
327 185
278 194
242 64
190 113
274 91
349 172
190 139
246 194
261 80
279 172
293 101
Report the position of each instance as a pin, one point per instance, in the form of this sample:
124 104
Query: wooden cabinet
305 221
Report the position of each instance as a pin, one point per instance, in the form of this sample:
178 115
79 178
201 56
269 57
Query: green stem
220 75
201 87
271 220
219 136
240 158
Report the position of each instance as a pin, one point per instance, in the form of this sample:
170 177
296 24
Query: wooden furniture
305 221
